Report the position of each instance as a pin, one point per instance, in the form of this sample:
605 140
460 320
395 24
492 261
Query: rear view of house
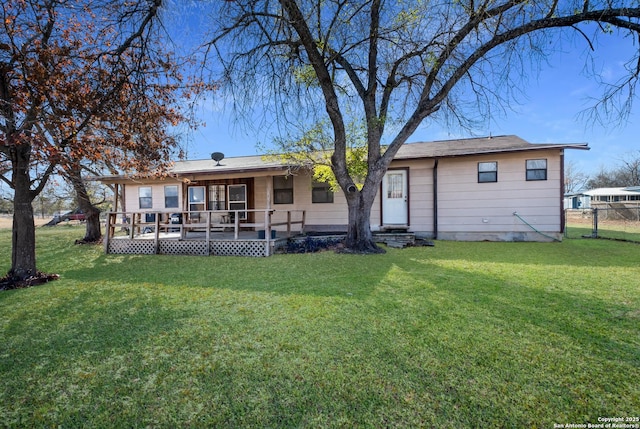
496 188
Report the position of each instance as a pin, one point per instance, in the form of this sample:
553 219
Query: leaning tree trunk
93 232
23 239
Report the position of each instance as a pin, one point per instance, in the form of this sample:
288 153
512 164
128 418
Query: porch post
267 232
132 222
208 231
156 236
116 189
267 216
108 233
236 226
123 197
269 191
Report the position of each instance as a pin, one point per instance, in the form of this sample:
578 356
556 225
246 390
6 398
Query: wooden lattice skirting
256 248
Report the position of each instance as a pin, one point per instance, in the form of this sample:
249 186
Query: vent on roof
217 157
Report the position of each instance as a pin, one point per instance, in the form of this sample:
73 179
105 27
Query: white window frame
145 197
176 196
237 199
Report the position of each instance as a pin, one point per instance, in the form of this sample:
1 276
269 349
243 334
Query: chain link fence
615 221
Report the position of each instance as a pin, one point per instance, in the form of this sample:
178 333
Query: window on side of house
145 200
536 169
171 196
487 172
321 192
282 190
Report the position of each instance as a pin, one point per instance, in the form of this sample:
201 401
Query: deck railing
136 224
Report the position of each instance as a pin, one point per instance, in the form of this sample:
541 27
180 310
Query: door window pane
395 185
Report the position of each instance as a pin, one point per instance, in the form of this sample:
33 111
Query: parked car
76 214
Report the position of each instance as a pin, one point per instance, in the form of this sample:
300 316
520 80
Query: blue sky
549 113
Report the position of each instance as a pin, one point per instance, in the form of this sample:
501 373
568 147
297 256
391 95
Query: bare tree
626 173
574 179
394 62
630 169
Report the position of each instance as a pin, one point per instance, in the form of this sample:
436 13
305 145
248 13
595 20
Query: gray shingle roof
227 165
436 149
475 146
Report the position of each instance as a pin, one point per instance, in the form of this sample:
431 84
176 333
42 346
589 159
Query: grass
613 230
459 335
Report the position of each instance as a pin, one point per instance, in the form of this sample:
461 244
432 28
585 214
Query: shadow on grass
416 344
604 325
90 321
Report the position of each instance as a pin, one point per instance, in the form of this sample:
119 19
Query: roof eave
229 171
580 146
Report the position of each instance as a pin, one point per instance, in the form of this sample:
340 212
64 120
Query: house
577 201
600 197
603 198
494 188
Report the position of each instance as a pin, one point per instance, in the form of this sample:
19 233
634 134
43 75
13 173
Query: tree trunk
93 232
359 237
23 239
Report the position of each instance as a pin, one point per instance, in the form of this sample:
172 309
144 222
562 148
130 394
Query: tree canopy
80 82
397 64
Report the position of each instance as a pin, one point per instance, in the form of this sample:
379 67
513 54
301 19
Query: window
171 196
536 169
321 193
238 199
144 197
196 198
217 197
395 185
487 172
282 190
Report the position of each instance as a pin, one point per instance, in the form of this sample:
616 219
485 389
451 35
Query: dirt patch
6 221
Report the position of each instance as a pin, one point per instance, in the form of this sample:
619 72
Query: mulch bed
10 282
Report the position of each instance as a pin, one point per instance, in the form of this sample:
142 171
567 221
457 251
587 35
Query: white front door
395 201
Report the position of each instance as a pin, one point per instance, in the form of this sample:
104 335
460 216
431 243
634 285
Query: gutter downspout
563 219
435 199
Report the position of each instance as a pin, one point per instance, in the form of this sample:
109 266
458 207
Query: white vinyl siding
467 206
157 197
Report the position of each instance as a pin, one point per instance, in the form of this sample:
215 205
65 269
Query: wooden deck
201 233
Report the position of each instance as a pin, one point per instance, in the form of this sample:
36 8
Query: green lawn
458 335
607 228
612 231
